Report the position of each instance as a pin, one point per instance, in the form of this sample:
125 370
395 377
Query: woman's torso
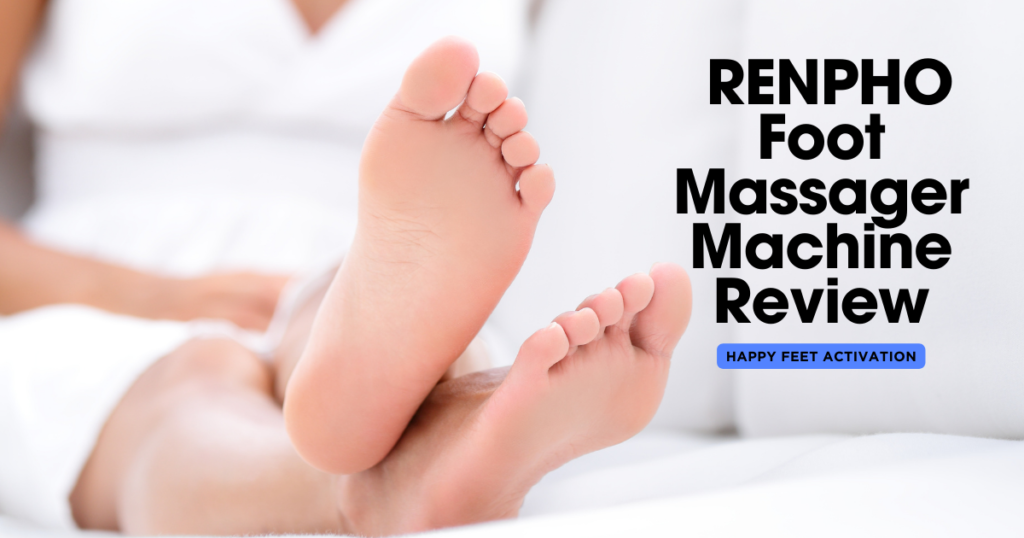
186 136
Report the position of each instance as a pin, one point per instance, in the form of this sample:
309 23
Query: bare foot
592 379
443 230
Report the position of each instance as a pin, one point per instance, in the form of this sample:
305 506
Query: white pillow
617 99
971 326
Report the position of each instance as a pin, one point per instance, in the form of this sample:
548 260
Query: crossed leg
198 444
448 205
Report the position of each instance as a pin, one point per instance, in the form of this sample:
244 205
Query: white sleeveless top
187 136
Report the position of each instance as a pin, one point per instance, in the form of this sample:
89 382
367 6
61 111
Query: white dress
183 137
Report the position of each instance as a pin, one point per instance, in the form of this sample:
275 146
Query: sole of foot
591 379
448 205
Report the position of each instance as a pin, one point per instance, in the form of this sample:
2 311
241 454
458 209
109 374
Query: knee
167 489
214 360
165 485
155 496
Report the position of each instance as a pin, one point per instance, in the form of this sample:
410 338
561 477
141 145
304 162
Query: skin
200 443
317 13
33 275
41 276
19 22
444 230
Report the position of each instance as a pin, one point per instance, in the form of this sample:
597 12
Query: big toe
658 327
439 78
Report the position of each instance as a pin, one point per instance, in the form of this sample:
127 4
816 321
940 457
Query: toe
486 93
542 350
581 326
586 302
508 119
520 150
659 326
438 79
607 305
636 291
536 187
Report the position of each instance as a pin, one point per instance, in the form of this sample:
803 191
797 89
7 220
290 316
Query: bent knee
159 408
214 360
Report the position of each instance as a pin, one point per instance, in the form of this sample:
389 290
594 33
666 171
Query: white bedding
670 484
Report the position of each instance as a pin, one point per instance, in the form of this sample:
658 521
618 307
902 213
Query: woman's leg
476 446
293 343
448 206
198 445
